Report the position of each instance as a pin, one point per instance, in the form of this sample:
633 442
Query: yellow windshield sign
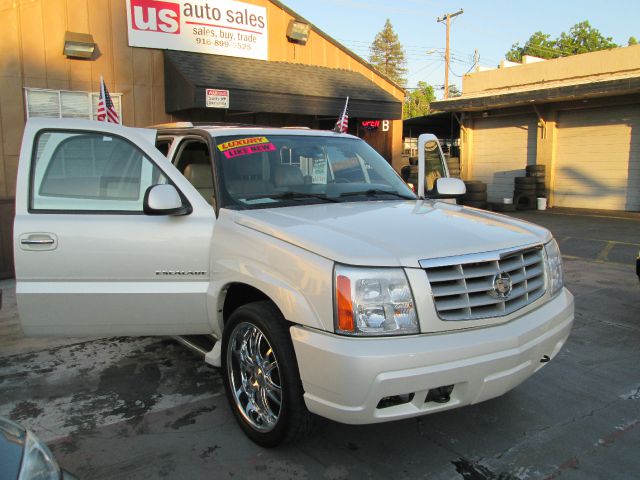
242 142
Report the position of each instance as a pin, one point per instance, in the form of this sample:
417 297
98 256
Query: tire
525 181
503 207
476 187
525 202
525 190
535 170
475 197
271 424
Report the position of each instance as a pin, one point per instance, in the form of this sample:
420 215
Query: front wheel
261 375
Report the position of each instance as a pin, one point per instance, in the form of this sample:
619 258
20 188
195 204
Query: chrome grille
464 290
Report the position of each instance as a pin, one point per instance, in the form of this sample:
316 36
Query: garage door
598 159
502 148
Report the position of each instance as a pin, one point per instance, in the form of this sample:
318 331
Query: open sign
371 124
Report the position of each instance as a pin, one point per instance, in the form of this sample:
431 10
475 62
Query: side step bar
206 345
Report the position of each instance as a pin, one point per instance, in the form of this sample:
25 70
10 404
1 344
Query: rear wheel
261 376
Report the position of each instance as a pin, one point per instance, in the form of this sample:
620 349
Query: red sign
155 16
371 124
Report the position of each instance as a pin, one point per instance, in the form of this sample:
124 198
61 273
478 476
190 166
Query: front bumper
345 378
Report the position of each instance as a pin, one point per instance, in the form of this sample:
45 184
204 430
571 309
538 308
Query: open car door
88 259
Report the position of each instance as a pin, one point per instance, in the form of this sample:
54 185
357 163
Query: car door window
90 172
194 162
164 145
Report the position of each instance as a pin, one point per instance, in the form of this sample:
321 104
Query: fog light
394 400
440 394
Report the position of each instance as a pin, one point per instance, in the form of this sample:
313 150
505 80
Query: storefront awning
273 87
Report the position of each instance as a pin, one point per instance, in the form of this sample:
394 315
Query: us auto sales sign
221 27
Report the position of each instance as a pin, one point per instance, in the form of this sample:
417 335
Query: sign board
216 98
220 27
319 171
371 124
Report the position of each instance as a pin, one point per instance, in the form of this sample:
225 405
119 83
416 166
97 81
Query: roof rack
172 125
211 124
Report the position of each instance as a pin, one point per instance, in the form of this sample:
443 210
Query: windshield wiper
299 195
376 191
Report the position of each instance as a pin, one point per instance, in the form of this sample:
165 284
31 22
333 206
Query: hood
391 233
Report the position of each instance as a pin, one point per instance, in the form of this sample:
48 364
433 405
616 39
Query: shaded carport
441 124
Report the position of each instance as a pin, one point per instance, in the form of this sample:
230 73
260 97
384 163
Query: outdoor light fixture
298 32
79 45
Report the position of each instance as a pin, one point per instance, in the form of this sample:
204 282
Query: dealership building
253 62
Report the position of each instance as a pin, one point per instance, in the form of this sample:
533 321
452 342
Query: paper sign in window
242 142
240 151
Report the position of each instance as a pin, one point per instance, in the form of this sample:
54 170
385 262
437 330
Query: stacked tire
528 189
476 195
453 165
538 172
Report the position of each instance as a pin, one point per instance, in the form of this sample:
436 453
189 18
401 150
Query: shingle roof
297 88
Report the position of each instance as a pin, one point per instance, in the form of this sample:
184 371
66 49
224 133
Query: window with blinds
66 104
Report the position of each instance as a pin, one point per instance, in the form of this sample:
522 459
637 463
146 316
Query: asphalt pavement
147 408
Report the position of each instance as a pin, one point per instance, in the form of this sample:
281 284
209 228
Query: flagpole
338 126
102 87
345 106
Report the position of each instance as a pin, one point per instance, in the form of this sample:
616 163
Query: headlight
38 462
373 301
554 264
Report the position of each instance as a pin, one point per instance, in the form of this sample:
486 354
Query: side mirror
448 188
164 200
424 140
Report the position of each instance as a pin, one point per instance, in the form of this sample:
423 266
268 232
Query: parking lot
147 408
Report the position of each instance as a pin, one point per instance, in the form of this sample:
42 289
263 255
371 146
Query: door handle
38 241
49 241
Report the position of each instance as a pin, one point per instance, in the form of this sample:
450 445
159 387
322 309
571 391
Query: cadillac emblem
502 285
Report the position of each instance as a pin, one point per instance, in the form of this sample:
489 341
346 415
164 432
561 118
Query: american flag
342 125
106 110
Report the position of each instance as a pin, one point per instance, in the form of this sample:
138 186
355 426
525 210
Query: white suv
330 287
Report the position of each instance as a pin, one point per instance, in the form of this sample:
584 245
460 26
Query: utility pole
476 60
447 57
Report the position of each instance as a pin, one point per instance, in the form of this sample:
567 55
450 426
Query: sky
491 26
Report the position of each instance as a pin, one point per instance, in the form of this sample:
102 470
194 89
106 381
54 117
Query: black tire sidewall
269 320
476 187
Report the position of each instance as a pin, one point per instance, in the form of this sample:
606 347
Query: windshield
279 170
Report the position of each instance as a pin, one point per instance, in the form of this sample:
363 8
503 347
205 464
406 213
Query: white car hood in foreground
391 233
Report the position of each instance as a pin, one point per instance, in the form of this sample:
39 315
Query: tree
632 41
418 102
582 38
454 91
387 55
538 45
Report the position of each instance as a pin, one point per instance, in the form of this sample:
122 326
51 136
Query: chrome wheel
254 377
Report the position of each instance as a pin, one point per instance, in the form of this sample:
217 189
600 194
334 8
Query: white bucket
507 201
542 203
